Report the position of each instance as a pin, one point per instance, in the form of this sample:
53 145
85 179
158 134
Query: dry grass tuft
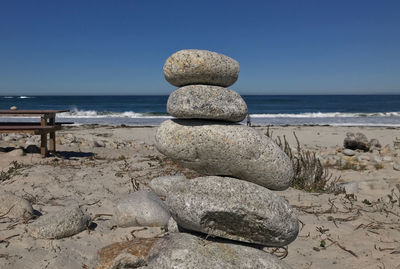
309 174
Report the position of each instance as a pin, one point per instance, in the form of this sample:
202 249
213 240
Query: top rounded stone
187 67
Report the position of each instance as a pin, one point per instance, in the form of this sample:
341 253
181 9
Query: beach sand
97 165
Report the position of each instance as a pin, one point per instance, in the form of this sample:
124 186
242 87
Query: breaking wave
328 115
108 114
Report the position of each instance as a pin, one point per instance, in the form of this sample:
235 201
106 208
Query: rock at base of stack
233 209
182 250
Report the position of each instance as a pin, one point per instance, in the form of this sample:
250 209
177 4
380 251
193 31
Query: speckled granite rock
66 222
13 206
207 102
161 185
181 250
141 208
192 66
356 141
213 148
233 209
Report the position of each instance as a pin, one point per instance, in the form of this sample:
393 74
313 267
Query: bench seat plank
33 129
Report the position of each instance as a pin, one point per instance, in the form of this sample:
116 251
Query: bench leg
53 142
43 145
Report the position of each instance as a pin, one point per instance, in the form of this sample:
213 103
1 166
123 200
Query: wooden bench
46 126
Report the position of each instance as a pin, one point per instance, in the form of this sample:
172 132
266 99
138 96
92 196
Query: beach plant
309 173
14 170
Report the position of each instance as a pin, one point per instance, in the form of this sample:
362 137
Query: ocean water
337 110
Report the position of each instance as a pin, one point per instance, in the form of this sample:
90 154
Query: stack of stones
240 166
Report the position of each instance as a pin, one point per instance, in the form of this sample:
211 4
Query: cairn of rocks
233 200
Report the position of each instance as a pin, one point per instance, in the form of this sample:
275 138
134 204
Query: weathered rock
233 209
99 144
161 185
374 143
207 102
349 152
349 187
396 165
192 66
66 222
216 148
141 208
129 254
32 149
13 206
357 141
181 250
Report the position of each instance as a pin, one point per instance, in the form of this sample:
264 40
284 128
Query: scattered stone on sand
141 208
162 185
374 143
13 206
182 250
32 149
129 254
233 209
349 187
200 67
356 141
396 165
349 152
16 153
63 223
99 144
207 102
217 148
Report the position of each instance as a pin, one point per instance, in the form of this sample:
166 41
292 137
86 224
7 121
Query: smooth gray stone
396 165
207 102
349 152
182 251
233 209
161 185
193 66
217 148
66 222
141 208
13 206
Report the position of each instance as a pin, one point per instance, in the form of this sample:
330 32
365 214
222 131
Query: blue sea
336 110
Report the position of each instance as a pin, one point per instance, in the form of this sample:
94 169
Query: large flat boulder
207 102
233 209
193 66
217 148
181 250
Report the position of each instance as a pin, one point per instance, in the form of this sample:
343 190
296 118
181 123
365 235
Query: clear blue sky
119 47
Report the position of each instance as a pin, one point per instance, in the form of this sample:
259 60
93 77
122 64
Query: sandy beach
96 165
